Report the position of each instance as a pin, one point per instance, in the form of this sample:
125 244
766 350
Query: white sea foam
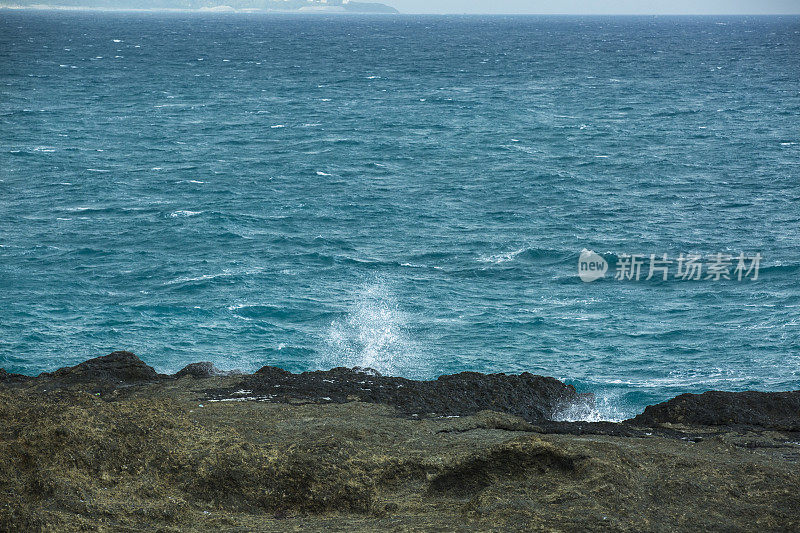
184 213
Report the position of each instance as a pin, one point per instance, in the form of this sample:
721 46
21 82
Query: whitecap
320 173
501 258
278 126
184 213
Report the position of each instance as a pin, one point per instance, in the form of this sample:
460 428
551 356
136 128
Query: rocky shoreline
110 444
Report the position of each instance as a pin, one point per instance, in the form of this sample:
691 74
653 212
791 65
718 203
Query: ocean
406 193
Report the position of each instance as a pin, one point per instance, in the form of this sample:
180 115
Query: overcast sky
598 6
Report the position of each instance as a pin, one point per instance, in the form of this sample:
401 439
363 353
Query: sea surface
406 193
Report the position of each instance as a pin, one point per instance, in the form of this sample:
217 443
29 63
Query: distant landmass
285 6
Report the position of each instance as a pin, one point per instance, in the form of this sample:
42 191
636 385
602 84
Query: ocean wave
546 255
281 313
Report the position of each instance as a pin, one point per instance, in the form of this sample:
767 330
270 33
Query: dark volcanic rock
204 369
122 367
7 377
272 371
534 398
774 410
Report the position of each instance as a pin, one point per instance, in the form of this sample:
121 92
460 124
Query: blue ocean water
407 193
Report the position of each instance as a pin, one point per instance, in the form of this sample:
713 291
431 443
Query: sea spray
604 408
375 333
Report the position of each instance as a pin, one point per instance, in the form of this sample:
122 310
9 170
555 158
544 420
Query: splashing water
374 334
604 409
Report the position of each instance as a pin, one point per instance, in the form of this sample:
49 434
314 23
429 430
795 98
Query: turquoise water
406 193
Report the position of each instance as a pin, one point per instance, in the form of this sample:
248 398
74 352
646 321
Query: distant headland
211 6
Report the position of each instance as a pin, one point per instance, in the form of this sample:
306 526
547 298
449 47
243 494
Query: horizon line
254 11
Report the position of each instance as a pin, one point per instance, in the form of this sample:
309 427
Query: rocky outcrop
774 410
533 398
6 377
204 369
116 367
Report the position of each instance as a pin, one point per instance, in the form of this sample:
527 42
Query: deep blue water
406 193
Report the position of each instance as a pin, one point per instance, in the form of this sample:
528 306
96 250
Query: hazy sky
598 6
